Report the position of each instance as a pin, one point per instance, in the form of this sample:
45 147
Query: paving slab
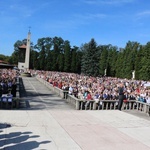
47 122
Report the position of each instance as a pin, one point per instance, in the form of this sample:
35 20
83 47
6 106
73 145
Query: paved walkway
47 122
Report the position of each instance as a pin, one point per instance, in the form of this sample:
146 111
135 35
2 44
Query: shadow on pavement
4 125
20 141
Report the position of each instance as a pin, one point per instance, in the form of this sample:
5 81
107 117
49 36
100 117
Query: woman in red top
89 96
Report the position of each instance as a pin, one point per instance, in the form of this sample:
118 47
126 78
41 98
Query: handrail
17 98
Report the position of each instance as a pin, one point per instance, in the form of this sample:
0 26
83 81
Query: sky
112 22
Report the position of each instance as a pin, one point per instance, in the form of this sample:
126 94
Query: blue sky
107 21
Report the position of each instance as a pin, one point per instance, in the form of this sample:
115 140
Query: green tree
43 46
119 64
17 53
49 60
111 61
138 64
90 59
61 62
40 46
78 61
129 53
145 63
4 58
103 59
58 43
34 63
67 56
74 59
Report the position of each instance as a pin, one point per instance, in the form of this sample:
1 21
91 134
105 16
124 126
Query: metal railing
17 98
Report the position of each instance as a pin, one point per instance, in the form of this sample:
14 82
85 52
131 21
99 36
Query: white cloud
144 13
108 2
74 22
90 16
22 10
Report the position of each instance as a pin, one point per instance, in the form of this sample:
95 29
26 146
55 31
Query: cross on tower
29 28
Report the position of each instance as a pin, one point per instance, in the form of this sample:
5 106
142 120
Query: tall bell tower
24 56
27 56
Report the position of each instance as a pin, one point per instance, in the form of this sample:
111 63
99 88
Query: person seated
96 97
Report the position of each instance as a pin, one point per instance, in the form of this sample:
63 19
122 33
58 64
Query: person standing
121 95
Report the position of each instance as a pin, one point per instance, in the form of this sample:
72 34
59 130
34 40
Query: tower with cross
27 57
24 64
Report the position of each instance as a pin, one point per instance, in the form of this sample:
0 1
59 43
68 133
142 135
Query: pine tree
67 56
90 59
103 60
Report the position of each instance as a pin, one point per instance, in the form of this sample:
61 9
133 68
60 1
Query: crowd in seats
96 88
8 83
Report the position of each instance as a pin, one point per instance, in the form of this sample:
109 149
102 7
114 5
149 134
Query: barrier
143 107
17 98
56 90
74 101
97 105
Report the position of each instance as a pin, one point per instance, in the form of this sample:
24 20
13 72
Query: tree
103 59
145 63
74 59
43 46
79 55
15 55
19 54
138 64
67 56
129 53
34 64
58 43
4 58
90 59
49 59
61 62
111 60
119 64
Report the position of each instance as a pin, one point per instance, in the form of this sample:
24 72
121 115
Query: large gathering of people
8 82
96 88
81 86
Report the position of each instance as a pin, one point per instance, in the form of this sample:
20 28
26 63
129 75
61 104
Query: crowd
8 82
80 86
96 88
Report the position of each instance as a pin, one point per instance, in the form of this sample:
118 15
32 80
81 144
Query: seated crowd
7 82
96 88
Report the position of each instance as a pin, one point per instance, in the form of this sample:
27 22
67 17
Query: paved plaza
47 122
